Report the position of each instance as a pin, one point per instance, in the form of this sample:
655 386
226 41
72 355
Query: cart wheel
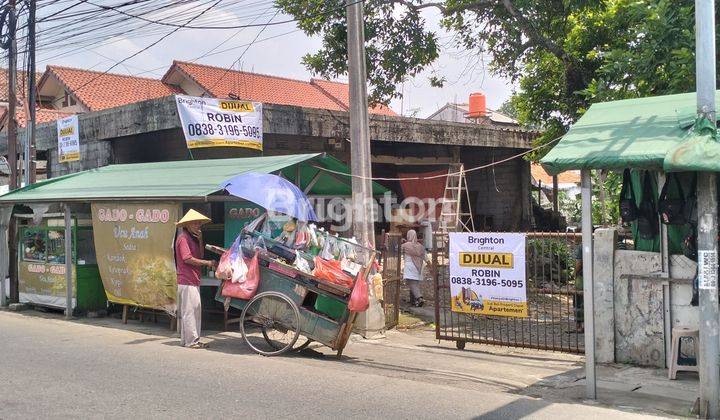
303 346
299 348
271 323
460 345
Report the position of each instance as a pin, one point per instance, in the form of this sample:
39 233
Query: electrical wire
142 50
344 5
423 178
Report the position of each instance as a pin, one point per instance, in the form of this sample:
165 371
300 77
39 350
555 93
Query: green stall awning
187 180
631 133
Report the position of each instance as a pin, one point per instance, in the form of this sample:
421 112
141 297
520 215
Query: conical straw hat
192 216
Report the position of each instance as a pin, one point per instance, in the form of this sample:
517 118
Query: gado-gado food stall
42 269
128 215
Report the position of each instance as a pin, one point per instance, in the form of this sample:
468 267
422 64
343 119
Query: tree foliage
562 54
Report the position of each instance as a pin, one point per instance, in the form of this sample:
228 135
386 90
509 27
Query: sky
278 52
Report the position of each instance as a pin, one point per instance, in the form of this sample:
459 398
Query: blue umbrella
272 192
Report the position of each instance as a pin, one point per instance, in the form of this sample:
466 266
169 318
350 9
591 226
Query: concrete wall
161 114
632 314
500 194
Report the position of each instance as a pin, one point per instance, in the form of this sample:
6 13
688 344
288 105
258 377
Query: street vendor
188 261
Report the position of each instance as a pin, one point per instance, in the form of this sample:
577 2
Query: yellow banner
469 302
134 247
44 284
487 259
69 157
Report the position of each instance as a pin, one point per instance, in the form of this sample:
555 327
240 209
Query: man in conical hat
189 249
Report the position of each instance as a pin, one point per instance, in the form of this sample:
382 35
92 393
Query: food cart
305 276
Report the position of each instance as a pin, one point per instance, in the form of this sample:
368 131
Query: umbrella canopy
272 192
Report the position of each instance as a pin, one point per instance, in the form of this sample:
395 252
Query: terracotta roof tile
109 90
341 92
567 177
221 82
42 115
21 83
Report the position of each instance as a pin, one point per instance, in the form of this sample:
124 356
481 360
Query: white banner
211 122
487 274
68 134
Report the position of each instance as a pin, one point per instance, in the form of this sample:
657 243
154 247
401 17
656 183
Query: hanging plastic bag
301 237
330 270
245 289
255 224
359 298
301 263
377 283
232 265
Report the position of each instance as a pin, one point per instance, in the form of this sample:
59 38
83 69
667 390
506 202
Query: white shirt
411 271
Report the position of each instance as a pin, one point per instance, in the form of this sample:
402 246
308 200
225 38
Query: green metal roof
181 180
635 133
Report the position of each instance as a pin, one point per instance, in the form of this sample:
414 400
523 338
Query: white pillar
587 248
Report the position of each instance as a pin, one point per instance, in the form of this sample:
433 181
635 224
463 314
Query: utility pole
372 320
12 99
30 174
709 357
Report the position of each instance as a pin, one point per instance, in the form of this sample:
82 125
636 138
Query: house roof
21 83
539 174
221 82
494 116
42 115
98 91
341 93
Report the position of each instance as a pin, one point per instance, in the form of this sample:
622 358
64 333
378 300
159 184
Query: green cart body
324 317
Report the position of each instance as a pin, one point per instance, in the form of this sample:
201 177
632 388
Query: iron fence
391 279
554 296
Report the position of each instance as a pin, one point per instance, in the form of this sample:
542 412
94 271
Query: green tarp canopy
188 180
632 133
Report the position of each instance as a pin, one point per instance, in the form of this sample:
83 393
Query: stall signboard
487 274
44 284
134 248
237 216
68 134
212 122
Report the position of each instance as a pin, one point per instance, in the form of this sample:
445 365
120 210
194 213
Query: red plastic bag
359 298
246 289
330 270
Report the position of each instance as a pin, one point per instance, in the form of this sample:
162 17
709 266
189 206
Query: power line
144 49
342 6
243 53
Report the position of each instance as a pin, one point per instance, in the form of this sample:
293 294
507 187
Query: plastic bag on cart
247 288
301 263
232 264
359 298
331 271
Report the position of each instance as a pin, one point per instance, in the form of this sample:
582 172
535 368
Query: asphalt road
51 368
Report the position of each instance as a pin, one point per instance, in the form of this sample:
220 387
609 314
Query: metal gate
391 280
553 300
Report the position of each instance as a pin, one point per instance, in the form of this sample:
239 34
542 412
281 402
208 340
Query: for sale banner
487 274
134 249
211 122
68 135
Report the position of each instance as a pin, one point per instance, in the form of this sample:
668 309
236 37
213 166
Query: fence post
587 247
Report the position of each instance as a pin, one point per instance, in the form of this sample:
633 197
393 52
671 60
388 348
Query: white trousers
189 314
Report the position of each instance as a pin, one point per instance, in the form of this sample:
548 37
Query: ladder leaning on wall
456 213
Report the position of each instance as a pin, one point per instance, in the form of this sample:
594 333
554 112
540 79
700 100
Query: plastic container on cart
333 308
